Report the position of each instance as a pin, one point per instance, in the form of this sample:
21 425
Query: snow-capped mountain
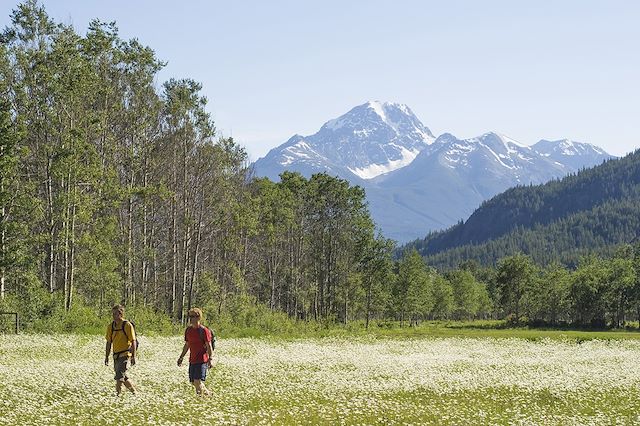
415 184
485 162
570 152
450 178
371 139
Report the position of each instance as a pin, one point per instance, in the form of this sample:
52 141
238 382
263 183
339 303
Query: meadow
365 379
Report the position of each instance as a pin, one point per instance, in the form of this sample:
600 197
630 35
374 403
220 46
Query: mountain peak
382 108
569 151
396 116
369 140
504 139
567 143
379 108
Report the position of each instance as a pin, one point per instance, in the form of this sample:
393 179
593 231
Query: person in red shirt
197 340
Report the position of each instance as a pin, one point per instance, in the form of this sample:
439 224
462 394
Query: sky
271 69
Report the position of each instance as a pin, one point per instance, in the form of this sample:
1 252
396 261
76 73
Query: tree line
597 292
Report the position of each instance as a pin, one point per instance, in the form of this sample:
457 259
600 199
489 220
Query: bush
243 316
80 319
150 321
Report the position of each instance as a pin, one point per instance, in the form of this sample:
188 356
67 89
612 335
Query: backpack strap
124 328
202 332
113 330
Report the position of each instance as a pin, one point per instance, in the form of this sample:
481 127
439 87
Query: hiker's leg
203 377
200 377
118 376
120 367
192 376
129 385
203 389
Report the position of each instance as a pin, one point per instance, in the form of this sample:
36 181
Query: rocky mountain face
414 182
369 140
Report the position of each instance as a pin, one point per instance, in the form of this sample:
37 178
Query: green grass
430 329
387 329
500 329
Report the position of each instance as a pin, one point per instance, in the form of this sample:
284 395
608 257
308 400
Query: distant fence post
15 317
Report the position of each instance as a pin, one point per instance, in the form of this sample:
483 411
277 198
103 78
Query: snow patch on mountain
297 151
373 170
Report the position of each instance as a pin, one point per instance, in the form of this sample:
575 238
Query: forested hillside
561 220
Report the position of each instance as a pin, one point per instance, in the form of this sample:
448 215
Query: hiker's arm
134 338
133 349
209 352
107 349
185 348
133 353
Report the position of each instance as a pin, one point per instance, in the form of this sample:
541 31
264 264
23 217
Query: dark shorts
120 365
198 372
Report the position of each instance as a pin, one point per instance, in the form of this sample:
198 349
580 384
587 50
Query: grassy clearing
336 380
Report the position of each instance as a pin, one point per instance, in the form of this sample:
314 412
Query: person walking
121 336
200 343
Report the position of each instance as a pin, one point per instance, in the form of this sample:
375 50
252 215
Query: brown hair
118 308
195 311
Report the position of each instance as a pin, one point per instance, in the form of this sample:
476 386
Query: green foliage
514 277
586 292
83 318
413 288
98 265
243 317
443 300
29 299
148 321
465 294
78 319
549 299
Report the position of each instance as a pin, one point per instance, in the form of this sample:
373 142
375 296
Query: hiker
122 336
198 341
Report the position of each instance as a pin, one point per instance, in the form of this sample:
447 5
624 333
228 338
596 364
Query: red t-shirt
197 348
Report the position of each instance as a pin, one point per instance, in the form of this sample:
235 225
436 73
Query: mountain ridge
416 183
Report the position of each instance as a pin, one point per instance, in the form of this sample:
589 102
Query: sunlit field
62 380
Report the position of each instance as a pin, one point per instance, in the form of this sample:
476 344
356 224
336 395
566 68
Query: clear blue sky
531 70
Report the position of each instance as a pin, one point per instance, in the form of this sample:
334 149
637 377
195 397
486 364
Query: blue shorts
198 372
